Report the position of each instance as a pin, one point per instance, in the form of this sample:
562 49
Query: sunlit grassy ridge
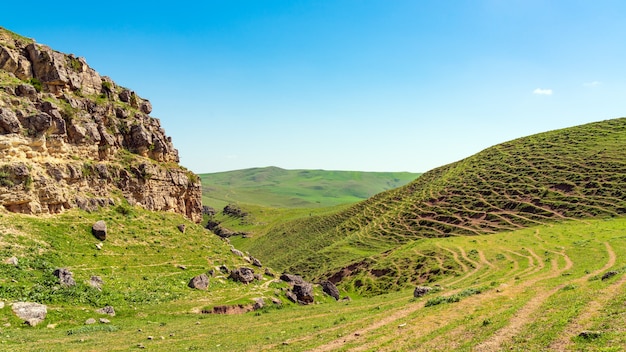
573 173
279 188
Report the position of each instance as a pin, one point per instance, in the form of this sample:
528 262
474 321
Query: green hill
573 173
279 188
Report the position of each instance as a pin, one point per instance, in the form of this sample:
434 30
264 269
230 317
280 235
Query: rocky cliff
72 138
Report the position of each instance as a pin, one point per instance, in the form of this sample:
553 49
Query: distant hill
573 173
279 188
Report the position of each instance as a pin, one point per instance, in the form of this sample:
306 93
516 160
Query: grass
274 187
489 296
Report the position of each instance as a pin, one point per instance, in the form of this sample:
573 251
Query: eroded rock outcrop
72 138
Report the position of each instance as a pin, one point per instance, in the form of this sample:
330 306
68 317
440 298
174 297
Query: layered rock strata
72 138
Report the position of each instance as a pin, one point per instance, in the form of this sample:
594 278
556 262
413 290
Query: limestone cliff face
72 138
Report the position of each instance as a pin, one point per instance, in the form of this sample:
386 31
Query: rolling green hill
573 173
279 188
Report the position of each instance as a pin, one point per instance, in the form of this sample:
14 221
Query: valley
116 246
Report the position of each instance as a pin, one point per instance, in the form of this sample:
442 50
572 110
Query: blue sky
371 85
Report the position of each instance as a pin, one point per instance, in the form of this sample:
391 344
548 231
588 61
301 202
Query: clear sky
371 85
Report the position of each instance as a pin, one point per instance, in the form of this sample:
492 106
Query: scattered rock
243 274
590 335
207 210
224 269
31 313
237 252
258 303
150 337
608 275
234 211
304 292
256 262
51 326
90 321
292 279
11 261
269 273
181 228
99 230
65 277
330 289
276 301
139 345
96 282
104 321
99 246
181 267
291 296
346 298
200 282
106 310
1 304
421 290
232 309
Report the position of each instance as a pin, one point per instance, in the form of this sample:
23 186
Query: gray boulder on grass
243 274
65 277
330 289
31 313
421 290
200 282
99 230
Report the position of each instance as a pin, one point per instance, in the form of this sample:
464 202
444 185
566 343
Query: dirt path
337 343
484 260
455 255
524 315
592 309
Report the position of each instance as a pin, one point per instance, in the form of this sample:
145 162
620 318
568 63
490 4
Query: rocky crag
72 138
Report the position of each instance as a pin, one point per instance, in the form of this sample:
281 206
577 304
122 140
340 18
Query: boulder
108 310
146 107
292 279
304 292
243 275
31 313
330 289
11 261
421 290
258 303
291 296
237 252
99 230
9 122
256 262
26 90
65 277
90 321
96 282
200 282
125 95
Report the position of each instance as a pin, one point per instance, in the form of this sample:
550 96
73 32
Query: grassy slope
278 188
572 173
539 288
139 263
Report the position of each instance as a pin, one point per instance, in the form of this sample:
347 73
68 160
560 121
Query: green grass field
278 188
533 289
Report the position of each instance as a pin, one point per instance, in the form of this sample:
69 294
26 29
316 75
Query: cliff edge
72 138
